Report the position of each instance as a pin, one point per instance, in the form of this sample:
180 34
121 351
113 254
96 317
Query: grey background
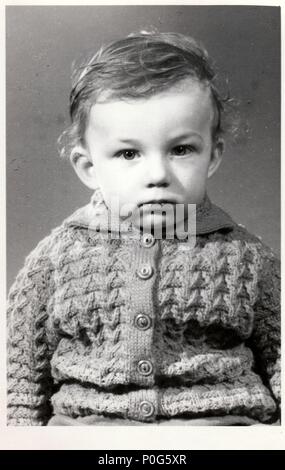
41 44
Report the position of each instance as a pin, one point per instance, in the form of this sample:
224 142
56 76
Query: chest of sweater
107 291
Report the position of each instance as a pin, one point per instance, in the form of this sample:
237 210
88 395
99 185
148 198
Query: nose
158 171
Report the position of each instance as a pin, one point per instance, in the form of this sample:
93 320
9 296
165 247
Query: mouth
157 202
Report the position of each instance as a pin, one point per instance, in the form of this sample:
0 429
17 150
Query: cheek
105 174
115 184
193 174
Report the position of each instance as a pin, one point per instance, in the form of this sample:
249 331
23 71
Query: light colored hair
138 66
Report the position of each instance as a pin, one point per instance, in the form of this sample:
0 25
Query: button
145 271
142 321
146 409
145 367
148 240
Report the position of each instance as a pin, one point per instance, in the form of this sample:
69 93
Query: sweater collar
209 217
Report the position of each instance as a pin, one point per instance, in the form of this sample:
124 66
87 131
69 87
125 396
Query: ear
83 166
216 157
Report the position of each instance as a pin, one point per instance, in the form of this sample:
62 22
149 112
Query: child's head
146 120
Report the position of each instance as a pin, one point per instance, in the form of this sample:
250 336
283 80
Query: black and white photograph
143 194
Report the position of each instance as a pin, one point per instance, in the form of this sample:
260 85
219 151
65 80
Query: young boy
107 327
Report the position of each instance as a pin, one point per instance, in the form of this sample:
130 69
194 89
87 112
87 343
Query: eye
127 154
181 150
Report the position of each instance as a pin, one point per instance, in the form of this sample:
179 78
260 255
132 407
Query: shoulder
44 252
44 255
234 239
237 232
254 253
245 237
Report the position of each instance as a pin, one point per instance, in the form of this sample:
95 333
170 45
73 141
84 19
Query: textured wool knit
145 329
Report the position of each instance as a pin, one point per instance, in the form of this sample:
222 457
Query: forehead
187 105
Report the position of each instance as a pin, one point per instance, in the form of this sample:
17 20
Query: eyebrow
129 141
177 138
185 136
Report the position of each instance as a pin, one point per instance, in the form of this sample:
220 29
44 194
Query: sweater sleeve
28 372
266 336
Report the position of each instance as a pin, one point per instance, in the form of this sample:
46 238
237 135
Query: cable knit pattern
145 329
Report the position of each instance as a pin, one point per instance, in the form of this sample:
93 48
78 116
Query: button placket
142 310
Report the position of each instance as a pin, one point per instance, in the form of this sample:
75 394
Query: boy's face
152 150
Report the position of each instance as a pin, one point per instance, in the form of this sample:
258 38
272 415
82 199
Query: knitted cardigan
145 329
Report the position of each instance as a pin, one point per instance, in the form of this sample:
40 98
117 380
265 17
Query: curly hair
136 67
